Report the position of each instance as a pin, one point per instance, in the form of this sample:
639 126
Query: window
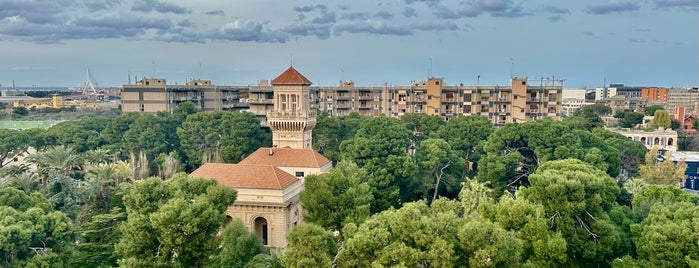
669 142
552 97
299 174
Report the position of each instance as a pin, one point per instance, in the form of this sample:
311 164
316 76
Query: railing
260 101
307 113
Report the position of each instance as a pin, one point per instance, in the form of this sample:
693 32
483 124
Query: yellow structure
270 180
54 102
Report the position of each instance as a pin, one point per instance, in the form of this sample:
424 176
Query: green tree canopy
172 223
238 246
337 198
660 119
650 110
628 118
309 246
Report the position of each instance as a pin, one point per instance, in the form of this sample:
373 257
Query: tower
291 121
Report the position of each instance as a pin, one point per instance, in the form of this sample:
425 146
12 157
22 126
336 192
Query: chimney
270 151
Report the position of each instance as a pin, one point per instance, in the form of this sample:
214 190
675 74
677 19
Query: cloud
373 27
409 12
324 18
428 2
319 31
41 12
185 23
435 26
215 13
248 31
470 9
310 8
588 33
384 15
158 6
679 4
556 10
94 6
604 9
355 16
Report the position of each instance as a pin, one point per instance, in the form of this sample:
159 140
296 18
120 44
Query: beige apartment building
520 101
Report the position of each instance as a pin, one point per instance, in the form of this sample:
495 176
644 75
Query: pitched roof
291 77
286 157
245 176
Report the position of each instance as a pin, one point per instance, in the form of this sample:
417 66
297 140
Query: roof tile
245 176
286 157
291 77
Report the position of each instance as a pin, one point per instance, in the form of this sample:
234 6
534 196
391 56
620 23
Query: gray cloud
248 31
325 17
384 15
373 27
435 26
409 12
215 12
310 8
680 4
40 12
158 6
185 23
94 6
474 8
319 31
428 2
620 7
556 10
355 16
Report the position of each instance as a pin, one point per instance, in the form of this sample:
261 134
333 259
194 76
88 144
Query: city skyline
638 43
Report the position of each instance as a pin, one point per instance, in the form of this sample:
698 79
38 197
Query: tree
440 169
660 120
153 135
379 147
97 236
172 223
326 135
668 236
183 110
592 115
579 199
464 133
238 246
20 110
658 168
423 124
650 110
219 137
82 135
13 143
31 228
628 118
309 246
337 198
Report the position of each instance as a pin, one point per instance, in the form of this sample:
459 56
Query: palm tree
60 160
100 181
473 194
99 156
27 182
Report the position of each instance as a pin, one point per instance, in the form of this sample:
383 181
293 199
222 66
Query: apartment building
152 95
687 97
518 102
654 94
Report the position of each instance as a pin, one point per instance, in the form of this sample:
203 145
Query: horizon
648 43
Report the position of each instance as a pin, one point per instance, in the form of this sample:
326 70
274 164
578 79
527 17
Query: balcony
261 89
364 107
533 111
502 112
260 101
502 100
533 100
365 97
449 100
500 122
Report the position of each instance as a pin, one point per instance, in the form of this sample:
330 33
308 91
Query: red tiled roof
245 176
286 157
291 77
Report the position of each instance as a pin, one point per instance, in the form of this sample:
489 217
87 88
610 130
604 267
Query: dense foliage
413 192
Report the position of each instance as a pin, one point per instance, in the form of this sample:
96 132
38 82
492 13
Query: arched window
656 141
282 101
669 142
260 224
643 140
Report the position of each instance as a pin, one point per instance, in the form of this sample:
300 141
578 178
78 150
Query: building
687 97
691 180
572 100
654 94
518 102
665 139
152 95
270 180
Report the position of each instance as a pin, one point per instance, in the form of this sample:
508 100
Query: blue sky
635 42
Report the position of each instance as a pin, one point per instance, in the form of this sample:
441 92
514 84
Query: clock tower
291 121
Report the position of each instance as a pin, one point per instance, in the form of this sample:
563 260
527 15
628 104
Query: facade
663 138
654 94
687 97
691 180
292 120
518 102
573 99
270 180
152 95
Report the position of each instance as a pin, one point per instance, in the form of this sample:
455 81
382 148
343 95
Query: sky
233 42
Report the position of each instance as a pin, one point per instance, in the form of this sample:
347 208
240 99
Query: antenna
153 75
512 66
199 70
291 59
129 77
